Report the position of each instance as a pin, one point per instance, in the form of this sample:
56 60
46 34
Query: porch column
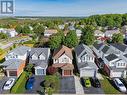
124 74
7 73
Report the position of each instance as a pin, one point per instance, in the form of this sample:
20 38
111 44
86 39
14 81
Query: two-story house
85 61
62 59
109 33
115 66
39 57
18 53
15 61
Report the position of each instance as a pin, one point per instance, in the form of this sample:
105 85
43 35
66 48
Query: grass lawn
19 86
107 86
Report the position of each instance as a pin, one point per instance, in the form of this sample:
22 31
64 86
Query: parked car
119 84
87 83
95 82
8 84
30 83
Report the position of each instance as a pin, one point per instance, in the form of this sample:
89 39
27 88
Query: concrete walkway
78 86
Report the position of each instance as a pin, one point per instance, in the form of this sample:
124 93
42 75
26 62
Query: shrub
19 86
52 70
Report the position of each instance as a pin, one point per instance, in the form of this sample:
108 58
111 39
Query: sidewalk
78 86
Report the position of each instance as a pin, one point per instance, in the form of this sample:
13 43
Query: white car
119 84
9 84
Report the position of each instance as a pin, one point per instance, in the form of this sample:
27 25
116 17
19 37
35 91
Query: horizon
67 8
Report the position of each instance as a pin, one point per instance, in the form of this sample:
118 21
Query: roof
78 31
63 66
81 49
38 52
20 50
62 50
125 55
112 31
111 57
121 47
98 32
87 64
50 31
12 64
98 46
105 49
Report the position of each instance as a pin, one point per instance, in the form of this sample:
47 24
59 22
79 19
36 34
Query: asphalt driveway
67 85
37 88
91 90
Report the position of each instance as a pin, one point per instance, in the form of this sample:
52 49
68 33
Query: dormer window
42 57
34 57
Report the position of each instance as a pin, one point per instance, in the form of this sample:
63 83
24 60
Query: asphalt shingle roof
121 47
12 64
98 46
111 57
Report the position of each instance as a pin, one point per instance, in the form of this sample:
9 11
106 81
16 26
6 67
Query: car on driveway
119 84
87 82
30 83
9 84
95 82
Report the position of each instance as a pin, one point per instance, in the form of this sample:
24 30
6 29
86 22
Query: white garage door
87 73
116 74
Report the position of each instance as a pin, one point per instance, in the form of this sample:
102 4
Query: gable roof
111 57
115 31
98 32
12 64
37 52
125 55
20 50
81 49
98 46
121 47
62 50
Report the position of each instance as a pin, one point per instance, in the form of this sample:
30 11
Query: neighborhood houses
64 56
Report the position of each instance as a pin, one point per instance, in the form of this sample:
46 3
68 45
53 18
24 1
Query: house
49 32
97 49
18 53
61 26
39 57
9 32
115 66
109 33
71 27
79 33
13 68
85 61
124 29
98 33
62 59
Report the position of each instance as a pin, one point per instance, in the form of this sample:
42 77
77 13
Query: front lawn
108 87
19 86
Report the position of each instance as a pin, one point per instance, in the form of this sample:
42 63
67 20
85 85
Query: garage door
40 71
87 73
12 73
67 72
116 74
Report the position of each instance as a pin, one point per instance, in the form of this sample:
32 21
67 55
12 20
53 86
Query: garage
116 74
12 73
67 72
87 73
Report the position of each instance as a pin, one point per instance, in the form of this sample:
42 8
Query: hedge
19 86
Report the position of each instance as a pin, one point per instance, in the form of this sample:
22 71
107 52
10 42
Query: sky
75 8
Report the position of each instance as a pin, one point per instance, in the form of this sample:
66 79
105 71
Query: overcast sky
68 7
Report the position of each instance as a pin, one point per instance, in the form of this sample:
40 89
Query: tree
19 28
56 40
1 51
39 30
29 67
117 38
3 36
52 70
88 37
71 39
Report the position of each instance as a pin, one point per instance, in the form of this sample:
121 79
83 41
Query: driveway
67 85
2 82
91 90
37 88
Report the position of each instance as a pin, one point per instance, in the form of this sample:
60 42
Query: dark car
95 82
30 83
